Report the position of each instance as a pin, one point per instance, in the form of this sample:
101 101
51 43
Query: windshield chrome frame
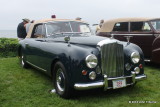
150 22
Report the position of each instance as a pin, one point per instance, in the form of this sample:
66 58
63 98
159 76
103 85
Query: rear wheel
60 81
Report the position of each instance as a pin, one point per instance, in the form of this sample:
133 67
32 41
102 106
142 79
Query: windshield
59 28
156 24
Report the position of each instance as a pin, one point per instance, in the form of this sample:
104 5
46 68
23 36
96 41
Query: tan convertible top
109 24
45 21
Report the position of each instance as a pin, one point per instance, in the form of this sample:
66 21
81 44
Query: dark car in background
77 60
145 32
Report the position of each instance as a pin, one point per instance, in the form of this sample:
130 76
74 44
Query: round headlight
135 57
91 61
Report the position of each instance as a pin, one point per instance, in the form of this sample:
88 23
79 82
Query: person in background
100 25
78 18
21 31
28 25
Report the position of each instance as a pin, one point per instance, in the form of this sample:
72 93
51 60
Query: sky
92 11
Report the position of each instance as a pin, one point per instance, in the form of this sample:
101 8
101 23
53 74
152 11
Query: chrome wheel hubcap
22 60
60 80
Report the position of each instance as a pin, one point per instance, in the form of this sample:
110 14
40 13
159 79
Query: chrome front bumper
92 85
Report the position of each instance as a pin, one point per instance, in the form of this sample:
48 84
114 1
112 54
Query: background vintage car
142 31
76 59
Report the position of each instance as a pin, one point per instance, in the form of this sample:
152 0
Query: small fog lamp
92 75
137 70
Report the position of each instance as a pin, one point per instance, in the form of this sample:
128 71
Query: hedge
8 47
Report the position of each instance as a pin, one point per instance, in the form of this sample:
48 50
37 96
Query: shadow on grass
112 93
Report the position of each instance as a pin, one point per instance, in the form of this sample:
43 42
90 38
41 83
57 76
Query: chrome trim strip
156 50
118 78
142 77
135 34
36 66
88 86
106 41
147 60
70 26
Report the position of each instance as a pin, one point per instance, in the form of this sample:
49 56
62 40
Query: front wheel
60 81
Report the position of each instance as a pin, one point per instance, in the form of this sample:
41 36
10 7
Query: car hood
84 40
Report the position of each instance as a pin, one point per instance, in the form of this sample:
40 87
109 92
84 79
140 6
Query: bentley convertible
76 59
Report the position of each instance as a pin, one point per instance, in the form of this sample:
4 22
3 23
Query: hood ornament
112 36
128 38
67 39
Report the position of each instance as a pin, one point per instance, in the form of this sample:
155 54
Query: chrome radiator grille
112 60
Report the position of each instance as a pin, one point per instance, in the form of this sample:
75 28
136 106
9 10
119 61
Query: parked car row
144 32
76 59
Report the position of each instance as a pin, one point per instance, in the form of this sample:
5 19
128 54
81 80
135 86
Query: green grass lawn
30 88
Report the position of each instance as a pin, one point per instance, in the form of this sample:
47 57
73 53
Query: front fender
74 62
128 49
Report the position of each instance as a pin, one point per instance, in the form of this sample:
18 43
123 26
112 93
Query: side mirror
128 38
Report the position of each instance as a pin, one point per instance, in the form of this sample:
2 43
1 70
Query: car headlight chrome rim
91 61
135 57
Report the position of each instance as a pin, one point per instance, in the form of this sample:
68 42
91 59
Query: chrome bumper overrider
92 85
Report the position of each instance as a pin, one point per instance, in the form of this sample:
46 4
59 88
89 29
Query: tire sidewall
66 93
23 61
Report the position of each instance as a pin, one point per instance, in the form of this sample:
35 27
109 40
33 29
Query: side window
122 26
140 27
38 31
146 27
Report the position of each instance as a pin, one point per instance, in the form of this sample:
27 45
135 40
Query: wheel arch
19 50
52 66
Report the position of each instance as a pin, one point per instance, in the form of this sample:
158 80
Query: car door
142 35
33 45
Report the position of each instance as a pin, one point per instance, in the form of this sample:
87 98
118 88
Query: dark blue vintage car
78 60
